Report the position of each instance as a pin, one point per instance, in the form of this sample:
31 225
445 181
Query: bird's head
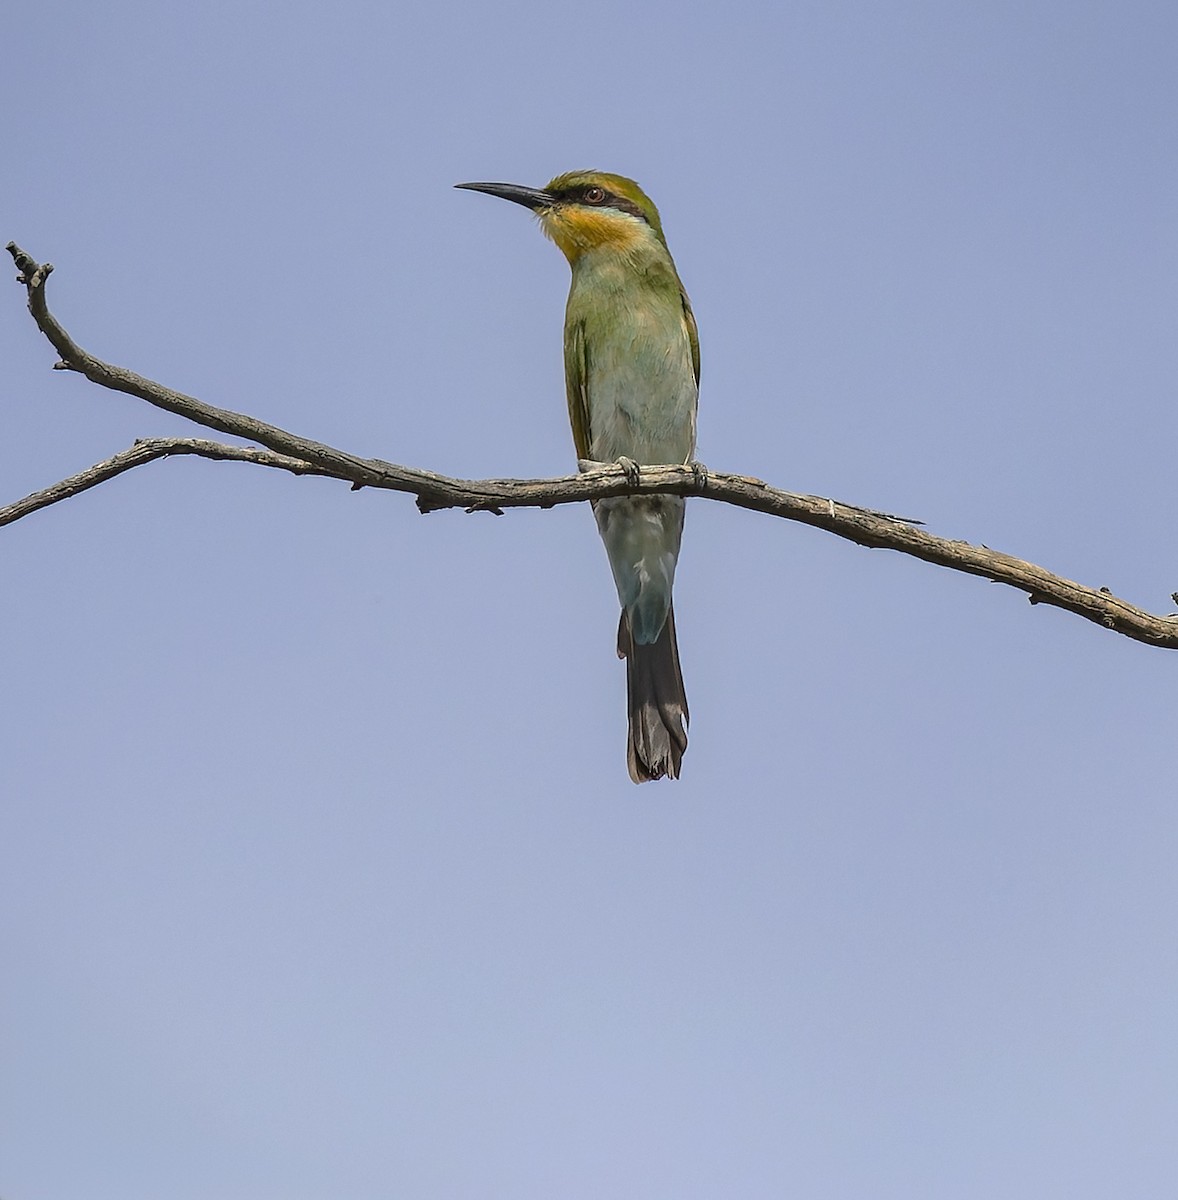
585 210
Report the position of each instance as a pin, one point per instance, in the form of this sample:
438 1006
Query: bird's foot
629 469
699 473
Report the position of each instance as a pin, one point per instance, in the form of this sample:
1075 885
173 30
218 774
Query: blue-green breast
637 369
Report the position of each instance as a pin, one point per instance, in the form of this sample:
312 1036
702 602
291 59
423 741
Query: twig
145 451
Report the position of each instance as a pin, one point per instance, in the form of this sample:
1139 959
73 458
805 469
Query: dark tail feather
656 701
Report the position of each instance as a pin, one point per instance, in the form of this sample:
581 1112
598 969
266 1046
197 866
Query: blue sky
323 874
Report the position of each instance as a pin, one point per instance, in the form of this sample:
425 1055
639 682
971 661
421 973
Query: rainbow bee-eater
631 359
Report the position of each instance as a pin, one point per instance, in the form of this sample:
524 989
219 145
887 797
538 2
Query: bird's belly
642 405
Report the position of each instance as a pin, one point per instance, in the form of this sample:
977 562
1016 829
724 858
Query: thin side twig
142 452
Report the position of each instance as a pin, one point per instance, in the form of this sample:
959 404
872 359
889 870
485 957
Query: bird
631 358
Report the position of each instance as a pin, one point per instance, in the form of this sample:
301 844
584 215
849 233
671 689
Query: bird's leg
699 473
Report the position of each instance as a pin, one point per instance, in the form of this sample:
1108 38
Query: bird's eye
594 195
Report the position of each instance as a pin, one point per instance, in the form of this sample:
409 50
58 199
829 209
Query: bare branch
145 451
299 455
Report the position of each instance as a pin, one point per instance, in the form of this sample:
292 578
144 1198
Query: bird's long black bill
529 197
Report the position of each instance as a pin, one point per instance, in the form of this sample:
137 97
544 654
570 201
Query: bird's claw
699 473
629 469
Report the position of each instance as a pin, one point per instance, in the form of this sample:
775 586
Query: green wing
576 382
692 334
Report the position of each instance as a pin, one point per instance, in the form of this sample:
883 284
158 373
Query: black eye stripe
579 195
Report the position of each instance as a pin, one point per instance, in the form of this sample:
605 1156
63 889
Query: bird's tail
656 701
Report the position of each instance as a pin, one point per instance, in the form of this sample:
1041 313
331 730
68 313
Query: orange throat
576 230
